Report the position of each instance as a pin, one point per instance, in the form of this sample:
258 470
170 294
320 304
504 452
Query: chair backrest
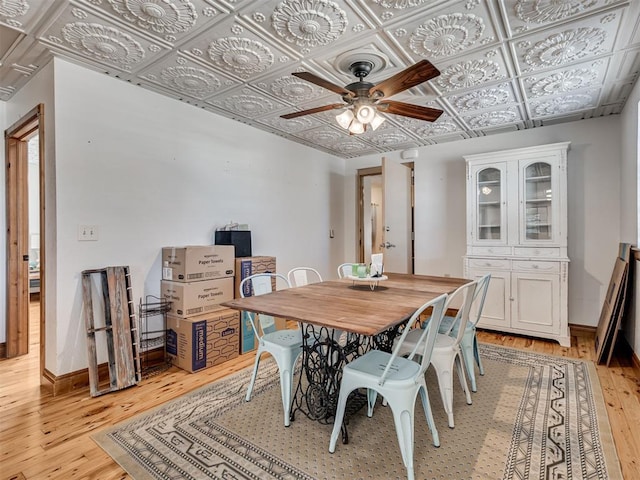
260 284
465 294
344 270
424 345
478 299
301 276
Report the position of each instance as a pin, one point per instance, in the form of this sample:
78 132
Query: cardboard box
245 267
196 263
203 341
196 298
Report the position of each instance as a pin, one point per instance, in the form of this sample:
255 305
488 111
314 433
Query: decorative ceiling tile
79 32
563 104
472 72
292 125
565 80
20 14
324 135
523 16
247 102
455 30
582 40
186 77
484 98
236 50
493 118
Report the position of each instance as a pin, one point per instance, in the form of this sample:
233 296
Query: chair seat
374 362
446 325
287 338
444 342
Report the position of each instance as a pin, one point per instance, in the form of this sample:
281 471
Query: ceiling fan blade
323 108
310 77
410 110
410 77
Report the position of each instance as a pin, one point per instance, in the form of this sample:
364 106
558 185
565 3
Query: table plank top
355 308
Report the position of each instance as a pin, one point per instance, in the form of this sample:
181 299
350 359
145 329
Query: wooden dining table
370 311
349 305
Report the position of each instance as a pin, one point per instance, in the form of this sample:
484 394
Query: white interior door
396 216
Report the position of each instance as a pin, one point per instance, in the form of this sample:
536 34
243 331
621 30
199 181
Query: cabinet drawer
542 267
491 250
484 263
536 252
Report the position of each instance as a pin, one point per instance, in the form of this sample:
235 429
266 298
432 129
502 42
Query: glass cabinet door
489 214
538 202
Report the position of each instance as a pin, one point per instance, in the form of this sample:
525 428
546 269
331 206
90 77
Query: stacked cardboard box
200 342
245 267
196 279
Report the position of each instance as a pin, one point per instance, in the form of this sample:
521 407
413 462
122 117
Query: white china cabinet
517 231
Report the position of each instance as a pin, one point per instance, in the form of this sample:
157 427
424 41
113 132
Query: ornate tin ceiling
505 65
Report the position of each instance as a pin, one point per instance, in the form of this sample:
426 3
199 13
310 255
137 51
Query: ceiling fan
364 100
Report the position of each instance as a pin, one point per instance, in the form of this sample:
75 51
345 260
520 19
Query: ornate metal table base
325 352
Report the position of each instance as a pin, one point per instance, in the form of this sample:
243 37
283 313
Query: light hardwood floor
49 437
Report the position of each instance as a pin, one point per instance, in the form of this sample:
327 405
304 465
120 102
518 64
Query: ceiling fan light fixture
366 113
377 121
344 119
356 127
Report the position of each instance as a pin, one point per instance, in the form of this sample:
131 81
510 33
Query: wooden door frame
362 173
365 172
16 163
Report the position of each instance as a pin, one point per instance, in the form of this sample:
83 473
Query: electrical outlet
87 233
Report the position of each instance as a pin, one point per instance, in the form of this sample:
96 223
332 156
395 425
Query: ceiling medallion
564 82
543 11
13 8
309 23
103 43
446 35
468 74
192 81
248 105
242 56
294 90
565 47
160 16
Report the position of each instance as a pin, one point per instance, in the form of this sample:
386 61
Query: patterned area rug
534 417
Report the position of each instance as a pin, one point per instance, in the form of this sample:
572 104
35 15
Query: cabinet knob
535 266
511 299
488 264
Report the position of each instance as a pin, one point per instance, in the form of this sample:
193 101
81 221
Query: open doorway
24 156
376 224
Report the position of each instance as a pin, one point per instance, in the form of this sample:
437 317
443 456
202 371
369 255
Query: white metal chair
469 343
300 276
399 380
344 270
446 353
284 345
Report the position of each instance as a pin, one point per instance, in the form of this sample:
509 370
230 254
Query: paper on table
376 264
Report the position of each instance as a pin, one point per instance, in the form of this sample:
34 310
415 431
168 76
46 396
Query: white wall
593 204
629 199
153 172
